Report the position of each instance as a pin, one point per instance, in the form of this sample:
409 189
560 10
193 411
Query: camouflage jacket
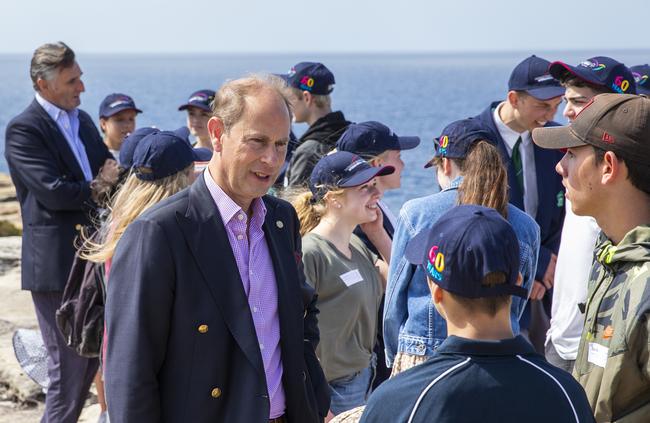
613 363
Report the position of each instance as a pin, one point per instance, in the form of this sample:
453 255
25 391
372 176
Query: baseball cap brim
546 93
366 175
416 247
556 137
201 154
282 76
408 143
120 109
558 69
198 106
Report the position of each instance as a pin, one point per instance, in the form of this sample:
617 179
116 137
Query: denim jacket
411 323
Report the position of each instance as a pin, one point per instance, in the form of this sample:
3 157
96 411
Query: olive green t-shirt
349 292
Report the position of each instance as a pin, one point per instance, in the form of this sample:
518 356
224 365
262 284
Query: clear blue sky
241 26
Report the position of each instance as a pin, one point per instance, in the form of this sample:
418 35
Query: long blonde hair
133 198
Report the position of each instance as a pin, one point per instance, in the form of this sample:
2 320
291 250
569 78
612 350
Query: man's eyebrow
577 97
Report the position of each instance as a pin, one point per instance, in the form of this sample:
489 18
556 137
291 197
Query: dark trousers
70 374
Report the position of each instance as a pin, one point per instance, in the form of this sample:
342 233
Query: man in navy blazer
201 328
535 187
58 164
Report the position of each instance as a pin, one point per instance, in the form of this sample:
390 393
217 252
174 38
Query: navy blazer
181 341
53 193
550 211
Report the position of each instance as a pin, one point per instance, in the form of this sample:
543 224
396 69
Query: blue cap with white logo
641 74
532 76
115 103
342 169
201 99
464 245
600 70
457 139
312 77
373 138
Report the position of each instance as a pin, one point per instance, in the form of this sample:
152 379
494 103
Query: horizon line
342 53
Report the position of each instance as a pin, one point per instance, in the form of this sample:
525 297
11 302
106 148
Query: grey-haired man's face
64 89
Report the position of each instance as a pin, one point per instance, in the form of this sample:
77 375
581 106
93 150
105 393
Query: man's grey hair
48 59
230 100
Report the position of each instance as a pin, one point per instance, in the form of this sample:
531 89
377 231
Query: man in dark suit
209 316
59 166
532 100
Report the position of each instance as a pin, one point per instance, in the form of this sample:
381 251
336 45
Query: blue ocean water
412 94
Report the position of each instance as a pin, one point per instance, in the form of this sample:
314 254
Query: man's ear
436 291
446 167
41 84
513 99
102 124
520 279
307 97
612 169
437 295
216 131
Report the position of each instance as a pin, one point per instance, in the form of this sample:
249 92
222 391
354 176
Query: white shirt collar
53 110
509 135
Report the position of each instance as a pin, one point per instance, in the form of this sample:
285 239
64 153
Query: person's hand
101 186
549 275
538 291
109 172
374 227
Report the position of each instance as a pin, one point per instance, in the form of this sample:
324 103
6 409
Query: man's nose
559 167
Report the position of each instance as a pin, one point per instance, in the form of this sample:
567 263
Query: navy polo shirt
480 381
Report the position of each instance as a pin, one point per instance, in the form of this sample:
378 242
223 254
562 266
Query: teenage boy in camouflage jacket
606 172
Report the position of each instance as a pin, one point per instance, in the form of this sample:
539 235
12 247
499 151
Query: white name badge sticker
597 354
352 277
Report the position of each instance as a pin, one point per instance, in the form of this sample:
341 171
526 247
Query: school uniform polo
480 381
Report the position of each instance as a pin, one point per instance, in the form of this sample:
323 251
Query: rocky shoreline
21 399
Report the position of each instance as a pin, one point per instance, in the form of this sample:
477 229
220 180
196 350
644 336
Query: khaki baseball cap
611 122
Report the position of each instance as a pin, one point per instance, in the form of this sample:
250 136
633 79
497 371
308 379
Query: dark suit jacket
173 271
550 211
53 193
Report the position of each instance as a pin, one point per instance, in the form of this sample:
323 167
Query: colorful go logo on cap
620 85
436 263
307 83
443 142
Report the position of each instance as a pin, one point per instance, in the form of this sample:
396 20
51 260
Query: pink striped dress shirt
258 279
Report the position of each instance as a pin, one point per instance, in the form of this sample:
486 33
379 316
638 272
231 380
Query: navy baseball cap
129 144
465 244
161 154
457 138
641 73
373 138
201 99
202 154
311 76
532 76
600 70
115 103
342 169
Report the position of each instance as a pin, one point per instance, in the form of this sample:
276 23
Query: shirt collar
227 207
509 135
511 346
454 184
53 110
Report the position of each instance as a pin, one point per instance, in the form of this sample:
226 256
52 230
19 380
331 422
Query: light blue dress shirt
68 123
